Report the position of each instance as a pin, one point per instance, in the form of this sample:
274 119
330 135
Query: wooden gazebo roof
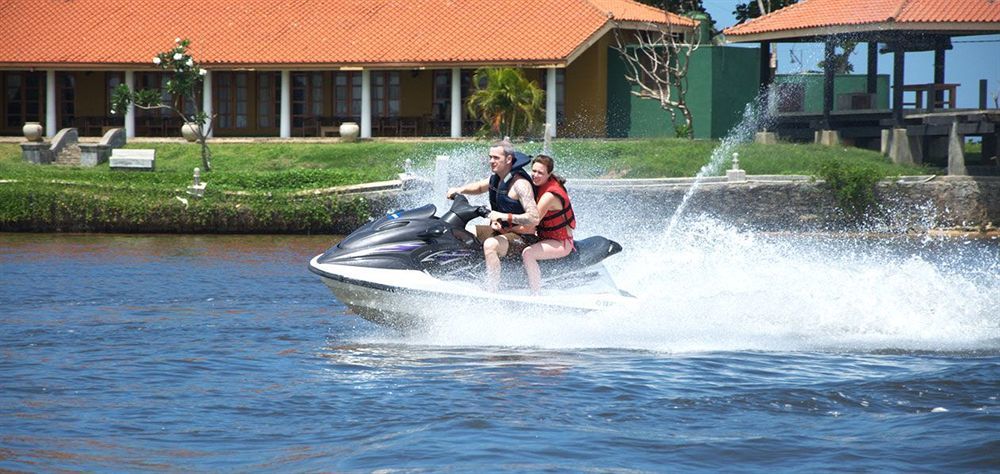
871 20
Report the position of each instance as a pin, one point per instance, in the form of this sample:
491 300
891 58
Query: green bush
853 183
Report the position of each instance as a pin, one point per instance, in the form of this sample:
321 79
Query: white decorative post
456 103
286 104
736 174
50 103
206 99
550 100
366 104
130 111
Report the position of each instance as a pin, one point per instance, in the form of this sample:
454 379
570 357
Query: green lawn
252 184
277 167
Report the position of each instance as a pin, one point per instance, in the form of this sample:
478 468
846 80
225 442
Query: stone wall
761 203
805 205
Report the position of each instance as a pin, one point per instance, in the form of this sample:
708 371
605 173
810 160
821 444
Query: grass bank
253 185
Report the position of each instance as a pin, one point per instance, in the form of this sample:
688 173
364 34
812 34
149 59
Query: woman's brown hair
549 165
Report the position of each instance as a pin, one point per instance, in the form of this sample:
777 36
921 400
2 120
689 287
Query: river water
751 352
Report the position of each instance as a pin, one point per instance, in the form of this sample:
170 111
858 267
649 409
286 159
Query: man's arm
526 196
475 187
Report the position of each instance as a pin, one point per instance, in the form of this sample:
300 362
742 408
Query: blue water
223 353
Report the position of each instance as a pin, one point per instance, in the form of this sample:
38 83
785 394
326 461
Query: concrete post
905 150
286 105
130 111
51 126
956 152
456 103
366 103
206 99
827 137
37 153
550 100
766 138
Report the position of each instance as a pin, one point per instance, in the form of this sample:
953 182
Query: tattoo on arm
526 196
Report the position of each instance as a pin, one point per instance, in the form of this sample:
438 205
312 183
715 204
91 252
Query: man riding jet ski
396 270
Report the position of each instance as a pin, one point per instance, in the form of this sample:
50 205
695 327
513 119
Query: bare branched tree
656 59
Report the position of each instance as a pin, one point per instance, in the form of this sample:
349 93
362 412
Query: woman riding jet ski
396 270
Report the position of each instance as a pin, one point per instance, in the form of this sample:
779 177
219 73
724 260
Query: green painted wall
721 81
718 94
842 84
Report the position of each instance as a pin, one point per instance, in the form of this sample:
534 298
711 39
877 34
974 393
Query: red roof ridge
845 16
781 11
899 11
668 17
605 13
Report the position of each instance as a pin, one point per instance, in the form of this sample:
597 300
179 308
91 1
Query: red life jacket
554 223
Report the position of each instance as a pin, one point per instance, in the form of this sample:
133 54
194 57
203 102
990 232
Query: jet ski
402 268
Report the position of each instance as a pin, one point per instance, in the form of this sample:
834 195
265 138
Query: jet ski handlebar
462 212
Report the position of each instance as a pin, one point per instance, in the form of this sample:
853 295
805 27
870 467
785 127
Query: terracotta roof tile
303 32
825 13
628 10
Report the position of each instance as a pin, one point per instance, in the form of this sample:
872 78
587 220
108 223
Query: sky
972 58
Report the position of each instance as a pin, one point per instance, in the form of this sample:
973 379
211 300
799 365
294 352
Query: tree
753 8
506 101
183 88
681 7
841 62
656 61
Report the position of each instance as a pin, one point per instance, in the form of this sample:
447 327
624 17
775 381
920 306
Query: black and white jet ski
398 269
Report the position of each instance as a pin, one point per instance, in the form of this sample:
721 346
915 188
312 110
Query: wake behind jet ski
396 269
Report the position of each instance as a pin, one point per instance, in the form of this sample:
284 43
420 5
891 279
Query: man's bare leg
493 249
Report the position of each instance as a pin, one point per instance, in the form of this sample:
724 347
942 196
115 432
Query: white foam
707 286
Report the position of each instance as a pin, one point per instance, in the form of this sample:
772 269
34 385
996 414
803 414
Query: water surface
223 353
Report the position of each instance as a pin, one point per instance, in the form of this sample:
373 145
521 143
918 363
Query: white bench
132 159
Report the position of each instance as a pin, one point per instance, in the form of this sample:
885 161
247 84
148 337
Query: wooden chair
309 126
408 126
389 126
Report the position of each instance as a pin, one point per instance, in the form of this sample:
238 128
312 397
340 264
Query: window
441 96
347 95
153 80
111 81
230 91
67 99
268 97
307 96
385 94
25 97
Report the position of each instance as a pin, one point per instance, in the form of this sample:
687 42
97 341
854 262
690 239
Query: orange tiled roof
264 33
881 14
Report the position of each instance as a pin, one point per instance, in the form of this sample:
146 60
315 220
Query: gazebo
896 26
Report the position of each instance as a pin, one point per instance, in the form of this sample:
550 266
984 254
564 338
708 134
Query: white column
550 100
456 103
50 103
286 105
206 98
366 104
130 111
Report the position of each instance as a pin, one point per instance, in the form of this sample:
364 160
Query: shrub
853 184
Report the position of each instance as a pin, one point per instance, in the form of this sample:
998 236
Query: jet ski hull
412 299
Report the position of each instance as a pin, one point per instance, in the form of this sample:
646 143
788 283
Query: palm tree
506 101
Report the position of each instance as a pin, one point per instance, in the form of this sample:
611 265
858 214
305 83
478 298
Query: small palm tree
506 101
